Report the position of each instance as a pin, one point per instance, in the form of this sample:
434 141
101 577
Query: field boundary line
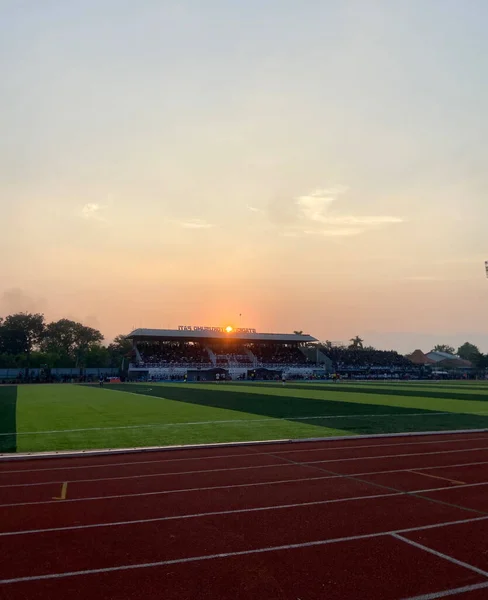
191 559
231 421
105 451
451 559
270 455
221 456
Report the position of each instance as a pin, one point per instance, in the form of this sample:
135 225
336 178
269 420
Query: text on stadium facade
216 329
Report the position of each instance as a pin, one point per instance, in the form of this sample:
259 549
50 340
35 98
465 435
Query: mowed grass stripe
340 393
352 412
275 402
59 407
378 389
250 411
8 418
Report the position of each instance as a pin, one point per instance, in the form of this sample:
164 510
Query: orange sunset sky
310 165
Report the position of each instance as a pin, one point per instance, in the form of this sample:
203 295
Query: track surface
383 519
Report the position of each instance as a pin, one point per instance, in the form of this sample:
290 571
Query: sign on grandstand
217 329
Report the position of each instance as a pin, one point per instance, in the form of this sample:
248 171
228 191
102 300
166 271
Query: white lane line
459 483
214 457
150 475
218 513
304 464
234 486
451 559
451 592
191 559
122 477
179 491
230 422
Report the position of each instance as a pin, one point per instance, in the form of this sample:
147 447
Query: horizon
311 166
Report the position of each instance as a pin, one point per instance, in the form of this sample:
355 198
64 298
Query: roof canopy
195 336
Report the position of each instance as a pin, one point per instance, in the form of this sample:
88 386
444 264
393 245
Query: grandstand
199 353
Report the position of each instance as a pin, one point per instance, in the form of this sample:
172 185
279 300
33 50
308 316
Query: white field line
233 421
236 486
452 592
452 560
215 457
267 549
304 464
23 456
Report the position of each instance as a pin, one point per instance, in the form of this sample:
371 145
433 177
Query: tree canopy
26 340
468 351
444 348
356 343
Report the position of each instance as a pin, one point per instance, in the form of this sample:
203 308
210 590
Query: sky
315 165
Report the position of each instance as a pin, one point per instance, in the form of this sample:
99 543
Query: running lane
180 537
379 569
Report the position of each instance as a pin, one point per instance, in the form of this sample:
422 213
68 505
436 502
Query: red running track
385 519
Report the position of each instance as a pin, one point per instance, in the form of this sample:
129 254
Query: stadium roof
440 359
439 356
175 334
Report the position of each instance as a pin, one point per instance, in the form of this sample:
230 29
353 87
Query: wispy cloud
93 211
341 232
425 278
254 209
195 224
317 217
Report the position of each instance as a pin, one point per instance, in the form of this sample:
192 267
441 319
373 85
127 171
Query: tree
443 348
356 343
71 339
481 361
97 356
469 352
298 332
12 341
120 349
22 332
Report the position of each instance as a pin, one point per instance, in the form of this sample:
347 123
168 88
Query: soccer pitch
36 418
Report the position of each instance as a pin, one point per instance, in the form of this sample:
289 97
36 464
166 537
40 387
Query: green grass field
75 417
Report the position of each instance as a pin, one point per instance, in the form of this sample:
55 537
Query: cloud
315 215
92 211
195 224
342 232
425 278
254 209
18 300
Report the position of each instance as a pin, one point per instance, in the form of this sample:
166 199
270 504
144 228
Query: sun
229 329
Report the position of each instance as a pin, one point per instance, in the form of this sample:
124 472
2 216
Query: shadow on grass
348 416
387 390
8 423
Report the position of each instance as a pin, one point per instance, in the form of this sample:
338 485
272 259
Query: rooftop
216 334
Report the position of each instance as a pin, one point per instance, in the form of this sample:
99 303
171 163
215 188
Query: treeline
27 340
466 351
